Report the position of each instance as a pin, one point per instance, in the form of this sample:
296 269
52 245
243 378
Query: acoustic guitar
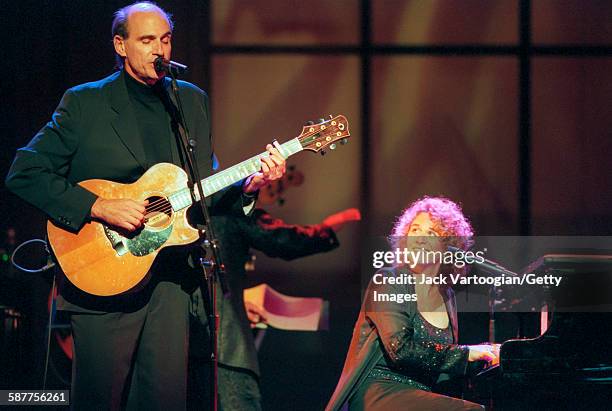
103 261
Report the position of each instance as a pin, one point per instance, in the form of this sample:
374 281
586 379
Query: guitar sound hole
158 213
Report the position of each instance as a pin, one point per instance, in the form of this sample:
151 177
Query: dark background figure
239 373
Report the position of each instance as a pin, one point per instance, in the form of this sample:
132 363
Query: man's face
149 37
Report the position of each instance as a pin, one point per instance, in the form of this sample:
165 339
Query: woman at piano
399 351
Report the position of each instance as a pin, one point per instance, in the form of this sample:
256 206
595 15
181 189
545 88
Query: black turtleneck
152 118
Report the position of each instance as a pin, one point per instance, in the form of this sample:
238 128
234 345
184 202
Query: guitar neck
229 176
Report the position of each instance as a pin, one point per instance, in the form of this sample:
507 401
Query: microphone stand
491 268
215 264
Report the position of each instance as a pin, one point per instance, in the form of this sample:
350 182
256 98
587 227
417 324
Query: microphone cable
51 309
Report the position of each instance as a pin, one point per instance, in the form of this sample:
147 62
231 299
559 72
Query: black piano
568 366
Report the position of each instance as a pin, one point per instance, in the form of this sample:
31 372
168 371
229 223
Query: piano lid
577 262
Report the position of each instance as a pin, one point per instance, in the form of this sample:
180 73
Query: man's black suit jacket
93 134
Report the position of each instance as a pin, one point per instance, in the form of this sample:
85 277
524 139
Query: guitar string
154 205
223 174
167 212
165 204
220 175
160 207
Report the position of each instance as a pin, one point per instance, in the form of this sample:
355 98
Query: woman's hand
484 352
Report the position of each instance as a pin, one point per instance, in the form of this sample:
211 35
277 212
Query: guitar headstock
325 134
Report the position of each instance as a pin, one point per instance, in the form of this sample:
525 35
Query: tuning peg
331 116
321 120
309 123
332 146
344 141
323 152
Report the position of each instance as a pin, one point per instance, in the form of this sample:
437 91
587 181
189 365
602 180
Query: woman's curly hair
447 214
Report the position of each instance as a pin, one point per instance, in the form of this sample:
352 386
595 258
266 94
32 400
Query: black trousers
135 360
238 388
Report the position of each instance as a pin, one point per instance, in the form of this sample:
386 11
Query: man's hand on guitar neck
122 213
272 168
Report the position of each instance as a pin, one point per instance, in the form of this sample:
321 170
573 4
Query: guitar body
104 262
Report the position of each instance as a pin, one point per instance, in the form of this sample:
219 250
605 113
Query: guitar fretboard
229 176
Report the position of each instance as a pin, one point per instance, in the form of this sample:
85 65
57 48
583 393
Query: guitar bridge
117 241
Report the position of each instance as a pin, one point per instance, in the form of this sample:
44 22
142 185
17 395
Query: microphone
486 266
171 67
